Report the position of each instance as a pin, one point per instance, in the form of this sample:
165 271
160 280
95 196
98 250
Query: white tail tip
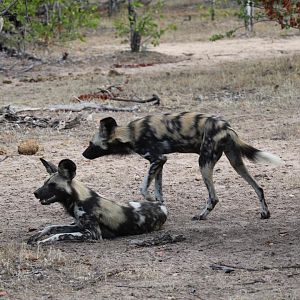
266 157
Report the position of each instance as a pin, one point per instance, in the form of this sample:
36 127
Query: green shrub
44 22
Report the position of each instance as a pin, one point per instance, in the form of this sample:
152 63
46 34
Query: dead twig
166 238
229 269
226 269
32 66
4 158
155 99
77 107
9 115
135 287
254 282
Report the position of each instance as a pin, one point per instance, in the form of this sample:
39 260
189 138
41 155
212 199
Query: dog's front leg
88 222
68 236
53 229
155 171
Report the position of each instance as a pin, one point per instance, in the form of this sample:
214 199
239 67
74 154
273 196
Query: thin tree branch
3 12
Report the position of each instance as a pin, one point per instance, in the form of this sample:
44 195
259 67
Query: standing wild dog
95 217
187 132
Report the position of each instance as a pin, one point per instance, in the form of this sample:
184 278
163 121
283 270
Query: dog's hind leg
207 160
237 163
155 172
206 168
210 153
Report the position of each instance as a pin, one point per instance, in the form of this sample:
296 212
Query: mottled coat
189 132
95 217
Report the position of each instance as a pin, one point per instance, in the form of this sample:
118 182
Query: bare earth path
204 54
264 253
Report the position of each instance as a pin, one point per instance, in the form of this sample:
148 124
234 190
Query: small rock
113 72
2 151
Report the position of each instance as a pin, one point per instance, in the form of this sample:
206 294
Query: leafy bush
43 22
144 21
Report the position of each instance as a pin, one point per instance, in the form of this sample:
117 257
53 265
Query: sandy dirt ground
264 254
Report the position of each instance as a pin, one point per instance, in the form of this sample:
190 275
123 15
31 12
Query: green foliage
147 23
216 37
223 9
46 21
220 36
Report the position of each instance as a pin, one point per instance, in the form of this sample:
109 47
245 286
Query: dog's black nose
36 194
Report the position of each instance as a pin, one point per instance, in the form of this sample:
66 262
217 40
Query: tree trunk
135 37
249 16
112 7
212 9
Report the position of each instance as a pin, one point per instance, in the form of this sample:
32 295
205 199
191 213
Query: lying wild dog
95 217
187 132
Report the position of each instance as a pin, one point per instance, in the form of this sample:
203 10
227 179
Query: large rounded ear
67 169
50 167
107 126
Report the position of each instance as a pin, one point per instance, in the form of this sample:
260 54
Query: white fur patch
98 141
164 209
135 205
78 211
141 220
266 157
56 237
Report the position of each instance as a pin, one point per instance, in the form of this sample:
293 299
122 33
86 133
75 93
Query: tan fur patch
112 214
188 125
122 134
220 135
82 191
158 124
137 129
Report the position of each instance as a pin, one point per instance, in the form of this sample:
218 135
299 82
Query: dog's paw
265 215
33 239
199 217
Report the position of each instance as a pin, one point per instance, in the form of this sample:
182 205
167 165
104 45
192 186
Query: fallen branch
111 93
254 282
9 115
226 269
77 107
229 269
166 238
155 99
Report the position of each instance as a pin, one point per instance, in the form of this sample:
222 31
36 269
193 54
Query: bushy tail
252 153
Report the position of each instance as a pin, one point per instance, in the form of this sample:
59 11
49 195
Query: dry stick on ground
77 107
163 239
84 105
9 115
154 98
4 158
229 269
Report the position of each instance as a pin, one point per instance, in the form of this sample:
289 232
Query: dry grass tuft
257 82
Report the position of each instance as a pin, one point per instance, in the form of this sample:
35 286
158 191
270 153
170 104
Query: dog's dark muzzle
92 152
44 197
